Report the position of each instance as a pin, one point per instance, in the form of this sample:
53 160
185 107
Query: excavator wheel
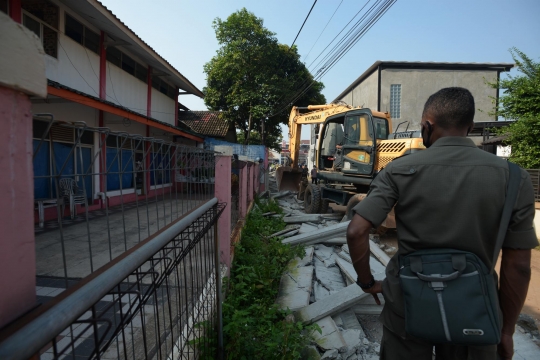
352 203
312 199
324 206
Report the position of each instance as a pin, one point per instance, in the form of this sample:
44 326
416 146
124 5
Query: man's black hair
451 107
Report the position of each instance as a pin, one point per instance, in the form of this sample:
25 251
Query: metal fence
159 300
107 191
126 254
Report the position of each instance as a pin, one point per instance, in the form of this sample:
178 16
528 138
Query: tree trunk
246 139
263 135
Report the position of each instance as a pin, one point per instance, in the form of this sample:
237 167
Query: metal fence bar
28 340
152 312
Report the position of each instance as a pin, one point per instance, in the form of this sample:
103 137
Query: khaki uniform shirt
448 196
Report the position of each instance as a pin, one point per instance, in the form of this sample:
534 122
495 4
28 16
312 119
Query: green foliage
206 341
524 136
254 327
252 75
521 102
521 94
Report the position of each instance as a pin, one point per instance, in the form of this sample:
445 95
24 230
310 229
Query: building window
395 101
127 64
164 88
81 34
4 6
41 17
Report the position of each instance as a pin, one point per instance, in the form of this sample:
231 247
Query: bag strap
512 189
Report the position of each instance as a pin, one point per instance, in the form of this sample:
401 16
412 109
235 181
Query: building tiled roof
60 86
208 123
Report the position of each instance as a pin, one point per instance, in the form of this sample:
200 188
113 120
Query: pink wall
243 192
223 194
17 250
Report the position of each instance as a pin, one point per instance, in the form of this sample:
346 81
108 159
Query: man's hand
506 347
374 290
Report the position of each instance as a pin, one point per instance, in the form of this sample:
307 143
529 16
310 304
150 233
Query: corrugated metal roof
60 86
424 65
95 13
208 123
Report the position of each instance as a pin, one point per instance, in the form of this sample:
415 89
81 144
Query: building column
249 189
23 74
15 10
243 192
147 144
101 114
223 194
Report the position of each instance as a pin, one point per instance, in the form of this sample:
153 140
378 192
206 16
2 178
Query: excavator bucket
288 178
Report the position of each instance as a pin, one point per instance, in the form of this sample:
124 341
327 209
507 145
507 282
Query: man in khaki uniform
449 196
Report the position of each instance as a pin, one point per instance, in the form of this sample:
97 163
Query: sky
412 30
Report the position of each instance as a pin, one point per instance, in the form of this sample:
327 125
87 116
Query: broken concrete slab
310 352
353 339
331 304
295 288
345 248
350 321
319 291
291 233
323 252
281 194
305 228
367 309
297 219
331 355
327 280
377 270
330 337
348 270
292 228
319 236
345 256
306 260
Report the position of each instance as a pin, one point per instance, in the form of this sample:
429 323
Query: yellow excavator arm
317 115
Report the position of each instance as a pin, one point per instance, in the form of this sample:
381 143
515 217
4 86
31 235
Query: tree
252 76
521 102
273 142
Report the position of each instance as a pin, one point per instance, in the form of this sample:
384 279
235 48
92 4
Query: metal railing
126 254
155 301
123 188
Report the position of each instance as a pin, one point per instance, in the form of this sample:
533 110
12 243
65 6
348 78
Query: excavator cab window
352 131
381 128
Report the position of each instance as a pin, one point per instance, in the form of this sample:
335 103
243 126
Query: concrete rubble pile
320 288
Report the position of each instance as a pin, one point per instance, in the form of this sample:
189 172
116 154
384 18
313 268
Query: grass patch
253 326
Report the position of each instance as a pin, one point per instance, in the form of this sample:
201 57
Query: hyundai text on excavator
352 146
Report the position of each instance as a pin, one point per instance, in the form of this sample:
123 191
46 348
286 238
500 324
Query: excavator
353 144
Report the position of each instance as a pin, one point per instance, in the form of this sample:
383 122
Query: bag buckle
437 285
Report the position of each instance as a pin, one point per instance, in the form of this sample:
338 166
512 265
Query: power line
361 27
330 43
309 52
312 6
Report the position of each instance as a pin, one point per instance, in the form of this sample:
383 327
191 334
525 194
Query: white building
100 73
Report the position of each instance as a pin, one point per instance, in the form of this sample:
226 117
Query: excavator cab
353 151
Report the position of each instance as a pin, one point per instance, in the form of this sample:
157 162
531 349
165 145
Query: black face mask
427 139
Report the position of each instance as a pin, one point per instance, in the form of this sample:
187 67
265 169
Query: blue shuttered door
42 189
